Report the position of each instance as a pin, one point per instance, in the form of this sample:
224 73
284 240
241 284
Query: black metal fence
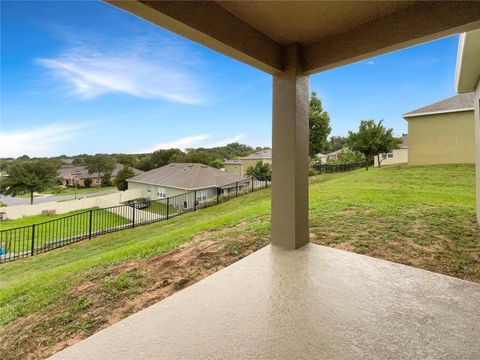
19 242
333 168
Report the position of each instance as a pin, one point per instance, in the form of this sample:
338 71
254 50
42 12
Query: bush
87 182
312 172
106 180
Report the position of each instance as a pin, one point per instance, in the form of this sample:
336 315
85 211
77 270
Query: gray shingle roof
81 172
460 102
186 176
262 154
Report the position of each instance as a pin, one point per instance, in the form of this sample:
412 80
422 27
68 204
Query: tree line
29 175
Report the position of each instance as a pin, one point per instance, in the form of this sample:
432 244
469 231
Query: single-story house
239 167
180 178
397 156
333 155
443 132
76 175
322 158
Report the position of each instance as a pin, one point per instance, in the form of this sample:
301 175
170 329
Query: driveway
12 201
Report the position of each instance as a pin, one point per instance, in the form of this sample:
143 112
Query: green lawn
65 227
80 191
70 191
420 216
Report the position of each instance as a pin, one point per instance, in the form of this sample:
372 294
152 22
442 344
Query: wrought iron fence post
32 251
168 207
90 225
218 195
266 182
133 216
194 200
252 183
236 188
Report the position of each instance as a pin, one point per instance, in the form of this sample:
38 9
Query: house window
389 155
202 196
161 193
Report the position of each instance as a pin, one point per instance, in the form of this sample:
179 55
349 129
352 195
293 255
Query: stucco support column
477 146
290 153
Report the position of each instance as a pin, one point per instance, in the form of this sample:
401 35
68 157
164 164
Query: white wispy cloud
43 141
182 144
370 62
150 71
227 141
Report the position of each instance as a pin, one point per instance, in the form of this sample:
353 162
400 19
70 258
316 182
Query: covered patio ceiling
331 33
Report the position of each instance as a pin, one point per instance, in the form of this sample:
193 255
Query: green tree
29 177
78 161
100 163
337 143
347 156
319 125
371 139
126 159
163 157
217 164
122 176
260 171
145 163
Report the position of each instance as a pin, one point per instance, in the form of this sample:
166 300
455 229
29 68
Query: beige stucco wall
236 169
400 156
441 139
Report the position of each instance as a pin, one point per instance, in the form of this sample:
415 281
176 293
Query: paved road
11 201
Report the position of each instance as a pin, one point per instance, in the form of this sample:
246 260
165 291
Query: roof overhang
407 116
468 62
329 33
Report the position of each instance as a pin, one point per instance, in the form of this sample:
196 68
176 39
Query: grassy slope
424 216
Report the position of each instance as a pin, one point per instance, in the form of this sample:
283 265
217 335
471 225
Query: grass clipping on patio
419 216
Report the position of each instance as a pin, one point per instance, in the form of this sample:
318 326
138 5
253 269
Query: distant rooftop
188 176
233 162
81 172
262 154
461 102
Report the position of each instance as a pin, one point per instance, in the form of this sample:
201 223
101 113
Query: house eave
406 116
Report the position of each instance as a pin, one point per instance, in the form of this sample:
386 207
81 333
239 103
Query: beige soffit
468 62
330 33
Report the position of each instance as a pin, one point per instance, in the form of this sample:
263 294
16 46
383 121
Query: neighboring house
239 167
322 158
397 156
76 175
179 178
233 167
333 155
443 132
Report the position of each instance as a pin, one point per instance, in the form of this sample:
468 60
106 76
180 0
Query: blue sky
84 77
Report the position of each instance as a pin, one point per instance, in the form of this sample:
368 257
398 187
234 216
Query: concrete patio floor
311 303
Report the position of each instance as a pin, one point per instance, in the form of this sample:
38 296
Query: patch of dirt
109 295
